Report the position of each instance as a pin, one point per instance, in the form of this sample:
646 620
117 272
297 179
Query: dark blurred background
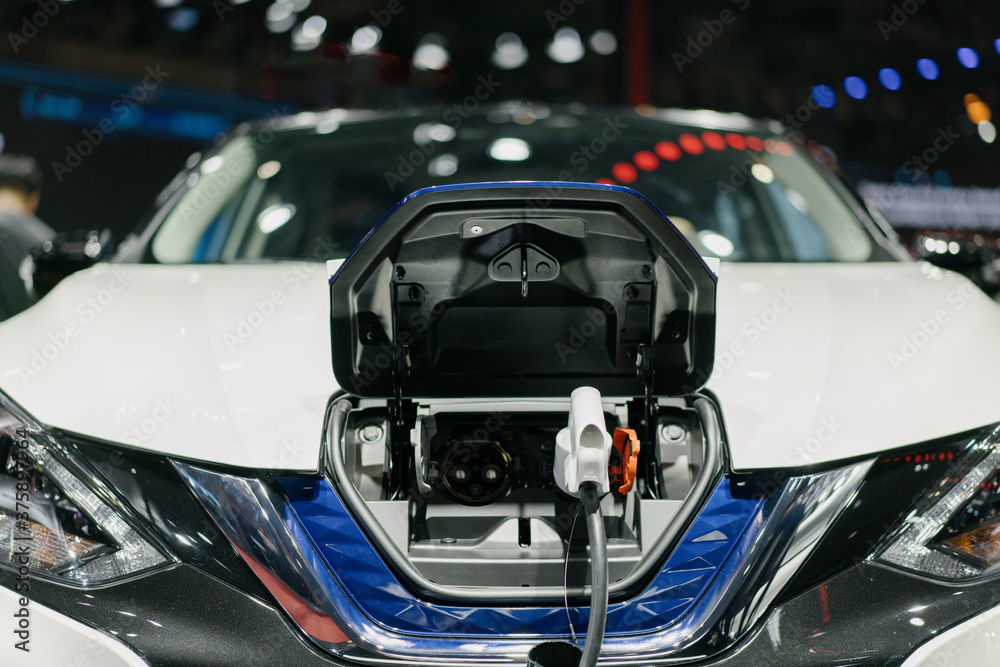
138 85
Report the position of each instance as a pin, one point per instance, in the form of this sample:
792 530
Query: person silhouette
20 230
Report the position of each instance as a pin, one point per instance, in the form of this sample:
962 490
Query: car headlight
954 532
57 518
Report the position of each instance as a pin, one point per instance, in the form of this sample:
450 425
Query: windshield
314 192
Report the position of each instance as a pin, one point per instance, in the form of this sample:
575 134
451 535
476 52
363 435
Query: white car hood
218 363
822 362
231 364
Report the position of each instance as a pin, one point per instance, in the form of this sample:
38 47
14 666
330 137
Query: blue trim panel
329 531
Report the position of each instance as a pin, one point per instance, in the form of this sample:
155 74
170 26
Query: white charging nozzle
584 446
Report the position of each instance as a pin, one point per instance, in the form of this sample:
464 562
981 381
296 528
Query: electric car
456 387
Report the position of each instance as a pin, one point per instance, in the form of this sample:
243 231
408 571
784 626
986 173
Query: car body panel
847 369
218 363
814 362
970 643
372 587
56 639
840 373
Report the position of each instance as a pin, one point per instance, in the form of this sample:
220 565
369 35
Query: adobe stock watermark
579 334
264 308
927 329
581 158
248 148
594 321
32 25
713 29
562 13
490 428
382 363
807 451
121 108
946 138
141 431
454 117
381 18
23 538
223 7
484 434
738 177
795 119
262 311
287 455
964 645
802 454
753 330
900 14
86 311
587 153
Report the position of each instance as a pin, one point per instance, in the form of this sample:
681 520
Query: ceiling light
603 42
365 39
430 57
565 46
510 150
273 217
762 173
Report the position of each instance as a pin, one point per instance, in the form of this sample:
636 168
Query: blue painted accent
331 538
521 184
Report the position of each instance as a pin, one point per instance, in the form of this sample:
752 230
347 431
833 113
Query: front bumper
208 608
182 616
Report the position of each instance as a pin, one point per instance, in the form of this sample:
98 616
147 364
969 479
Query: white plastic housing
584 446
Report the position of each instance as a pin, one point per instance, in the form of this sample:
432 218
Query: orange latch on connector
624 460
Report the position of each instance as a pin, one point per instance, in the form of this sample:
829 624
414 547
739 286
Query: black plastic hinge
400 373
398 433
644 368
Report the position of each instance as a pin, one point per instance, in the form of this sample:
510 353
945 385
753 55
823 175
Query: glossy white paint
232 363
59 640
217 363
818 362
974 642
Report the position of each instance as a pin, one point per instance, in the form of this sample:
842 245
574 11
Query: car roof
703 118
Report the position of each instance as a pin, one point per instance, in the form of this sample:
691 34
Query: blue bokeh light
824 96
928 69
182 19
996 45
968 57
856 87
890 78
